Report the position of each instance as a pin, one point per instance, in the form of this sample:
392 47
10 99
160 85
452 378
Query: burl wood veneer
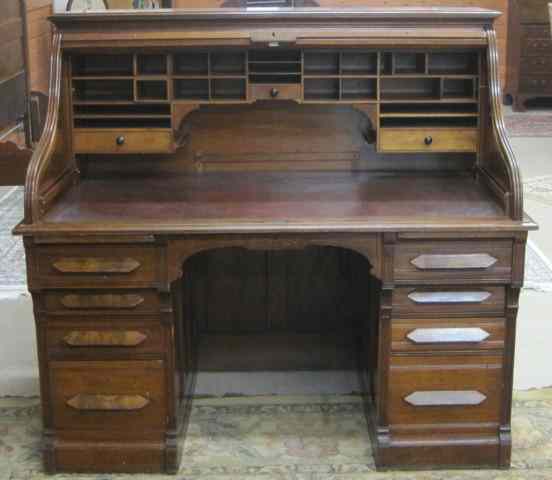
297 184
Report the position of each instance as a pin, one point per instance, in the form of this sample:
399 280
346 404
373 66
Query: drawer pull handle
447 335
104 339
120 141
274 92
428 140
454 262
112 403
449 297
445 398
96 265
90 302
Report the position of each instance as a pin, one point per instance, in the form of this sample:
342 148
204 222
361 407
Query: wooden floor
228 200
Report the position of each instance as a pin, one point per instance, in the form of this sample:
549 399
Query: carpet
296 438
538 269
529 125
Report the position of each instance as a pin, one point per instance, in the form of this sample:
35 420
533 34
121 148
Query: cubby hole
358 88
228 89
103 65
103 90
410 88
321 89
386 63
359 63
428 122
462 63
429 108
275 56
130 122
321 62
191 89
228 63
458 88
191 63
406 63
152 90
280 66
152 64
151 109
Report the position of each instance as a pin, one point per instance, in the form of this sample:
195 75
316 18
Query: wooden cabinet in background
529 53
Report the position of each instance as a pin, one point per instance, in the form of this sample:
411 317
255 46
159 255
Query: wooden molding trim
88 402
447 335
499 129
477 296
445 398
96 265
112 338
454 261
92 302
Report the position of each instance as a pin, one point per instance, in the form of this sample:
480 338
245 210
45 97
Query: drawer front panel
122 141
113 302
98 266
444 334
458 261
428 140
108 395
540 64
536 84
275 92
534 11
533 45
100 338
445 301
452 389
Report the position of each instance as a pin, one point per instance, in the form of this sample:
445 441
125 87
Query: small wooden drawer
536 84
428 139
122 302
98 266
447 334
121 336
274 92
442 261
126 395
116 141
432 390
536 45
538 64
447 301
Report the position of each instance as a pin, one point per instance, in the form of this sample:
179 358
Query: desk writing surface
321 198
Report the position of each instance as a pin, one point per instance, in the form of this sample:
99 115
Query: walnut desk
176 135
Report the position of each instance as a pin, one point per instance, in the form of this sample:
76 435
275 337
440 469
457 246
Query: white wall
59 5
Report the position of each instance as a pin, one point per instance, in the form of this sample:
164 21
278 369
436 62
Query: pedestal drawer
465 300
473 261
126 395
428 139
96 338
426 390
113 302
447 334
98 266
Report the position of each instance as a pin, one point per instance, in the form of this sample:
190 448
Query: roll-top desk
178 135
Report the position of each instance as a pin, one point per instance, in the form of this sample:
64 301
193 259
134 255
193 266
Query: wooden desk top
274 202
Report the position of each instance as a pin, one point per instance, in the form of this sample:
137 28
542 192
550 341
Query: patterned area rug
538 269
529 125
296 438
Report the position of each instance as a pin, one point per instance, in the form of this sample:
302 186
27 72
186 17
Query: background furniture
237 187
529 53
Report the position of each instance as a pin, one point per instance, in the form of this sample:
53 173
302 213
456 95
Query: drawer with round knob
275 91
428 139
120 141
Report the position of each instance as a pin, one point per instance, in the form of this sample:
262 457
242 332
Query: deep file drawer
464 300
126 395
432 390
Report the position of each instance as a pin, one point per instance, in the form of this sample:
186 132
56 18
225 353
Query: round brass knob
428 140
120 140
274 92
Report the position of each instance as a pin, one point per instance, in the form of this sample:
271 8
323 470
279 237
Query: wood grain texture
93 338
109 403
